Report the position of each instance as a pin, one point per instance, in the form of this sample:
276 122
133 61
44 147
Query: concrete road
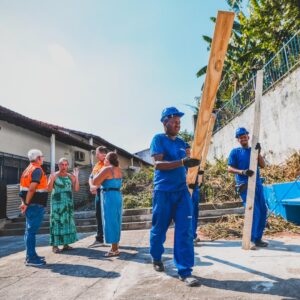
225 270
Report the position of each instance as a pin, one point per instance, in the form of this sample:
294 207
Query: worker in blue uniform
238 164
171 198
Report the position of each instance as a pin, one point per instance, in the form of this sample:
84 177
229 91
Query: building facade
19 134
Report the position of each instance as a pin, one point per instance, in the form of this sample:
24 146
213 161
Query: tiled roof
62 134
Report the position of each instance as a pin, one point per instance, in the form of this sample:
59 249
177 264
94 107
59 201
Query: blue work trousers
195 200
99 235
259 214
177 206
34 217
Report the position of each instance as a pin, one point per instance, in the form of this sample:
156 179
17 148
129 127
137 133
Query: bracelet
182 162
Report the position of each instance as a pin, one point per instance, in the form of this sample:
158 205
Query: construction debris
219 186
285 172
231 227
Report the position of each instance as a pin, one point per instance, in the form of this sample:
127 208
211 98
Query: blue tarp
284 199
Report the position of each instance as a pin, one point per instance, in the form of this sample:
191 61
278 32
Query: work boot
158 266
261 243
190 281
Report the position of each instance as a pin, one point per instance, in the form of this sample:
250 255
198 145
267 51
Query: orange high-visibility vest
98 166
26 179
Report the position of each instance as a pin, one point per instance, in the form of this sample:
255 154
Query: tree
186 136
255 39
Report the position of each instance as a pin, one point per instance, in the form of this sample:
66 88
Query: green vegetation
186 136
257 35
218 185
137 189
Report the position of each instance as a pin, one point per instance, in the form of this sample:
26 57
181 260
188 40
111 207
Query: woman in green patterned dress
62 224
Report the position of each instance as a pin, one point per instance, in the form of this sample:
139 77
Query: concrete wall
127 162
280 123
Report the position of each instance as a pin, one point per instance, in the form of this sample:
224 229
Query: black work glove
190 162
192 186
248 172
200 172
258 147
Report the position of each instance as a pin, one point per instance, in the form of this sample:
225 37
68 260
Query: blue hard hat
240 131
170 111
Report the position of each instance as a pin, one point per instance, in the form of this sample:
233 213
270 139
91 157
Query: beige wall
87 160
124 162
17 140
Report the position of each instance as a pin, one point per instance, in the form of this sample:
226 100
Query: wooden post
253 164
52 153
91 142
207 144
218 51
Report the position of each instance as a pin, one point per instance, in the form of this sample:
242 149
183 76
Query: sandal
112 253
56 250
67 247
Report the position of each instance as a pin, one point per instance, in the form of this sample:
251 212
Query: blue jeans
99 236
34 217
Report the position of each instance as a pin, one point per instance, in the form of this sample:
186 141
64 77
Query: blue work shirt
172 150
239 158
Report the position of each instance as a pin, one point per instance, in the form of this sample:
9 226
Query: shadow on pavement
80 271
274 286
219 244
141 254
280 246
273 245
14 244
85 252
288 288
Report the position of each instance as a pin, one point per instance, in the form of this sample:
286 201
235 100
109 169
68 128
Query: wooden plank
211 125
218 51
253 164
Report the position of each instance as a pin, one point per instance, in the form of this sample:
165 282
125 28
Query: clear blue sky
105 67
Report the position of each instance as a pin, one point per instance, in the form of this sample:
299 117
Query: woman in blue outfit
110 180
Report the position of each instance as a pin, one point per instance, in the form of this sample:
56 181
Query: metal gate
13 201
80 198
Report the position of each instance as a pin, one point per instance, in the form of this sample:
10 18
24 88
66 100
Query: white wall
280 123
